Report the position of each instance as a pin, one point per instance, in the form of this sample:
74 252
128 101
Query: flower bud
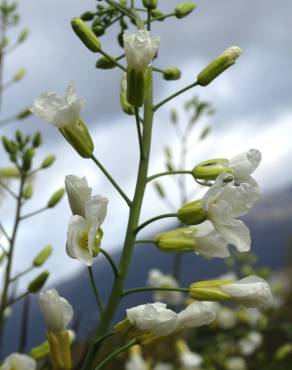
86 35
48 161
192 213
56 198
184 9
157 14
159 189
37 283
105 63
218 65
209 290
172 74
209 170
27 192
41 258
9 172
175 241
19 75
23 35
8 145
27 159
79 137
37 140
150 4
87 16
24 114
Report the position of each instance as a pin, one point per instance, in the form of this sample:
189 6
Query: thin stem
138 124
26 271
151 220
111 261
158 70
163 17
4 186
114 60
177 264
148 19
24 325
100 340
154 289
31 214
116 353
25 294
4 232
145 241
157 106
109 177
95 290
122 9
178 172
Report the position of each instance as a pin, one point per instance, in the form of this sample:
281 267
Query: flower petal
245 163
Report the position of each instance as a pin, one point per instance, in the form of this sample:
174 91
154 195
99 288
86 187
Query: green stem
122 9
148 19
154 289
163 17
145 241
108 176
23 295
151 220
31 214
116 353
179 172
133 221
114 60
157 106
95 290
4 232
24 325
177 264
158 70
110 260
110 334
16 277
138 124
4 186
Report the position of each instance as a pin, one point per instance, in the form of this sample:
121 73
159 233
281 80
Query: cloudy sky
253 102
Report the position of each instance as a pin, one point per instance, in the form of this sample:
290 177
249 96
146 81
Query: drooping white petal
136 363
140 48
18 361
244 164
190 360
77 240
209 242
61 111
78 193
195 315
56 310
251 291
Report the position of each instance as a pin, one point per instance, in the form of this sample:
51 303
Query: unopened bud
157 14
56 198
184 9
9 172
24 114
79 137
48 161
37 140
41 258
37 283
159 189
27 159
8 145
192 213
177 241
209 290
19 74
150 4
210 169
205 133
218 65
172 74
87 16
27 192
105 63
86 35
23 35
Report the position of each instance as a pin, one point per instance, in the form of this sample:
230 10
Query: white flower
60 111
251 291
56 310
209 241
82 231
163 366
226 318
140 48
157 279
17 361
190 360
153 317
235 363
225 201
78 193
195 315
244 164
249 344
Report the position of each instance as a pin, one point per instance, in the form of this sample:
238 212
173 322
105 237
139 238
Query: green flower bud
177 241
19 75
157 14
79 137
159 189
173 116
27 192
48 161
9 145
27 159
86 35
205 133
37 283
9 172
209 170
150 4
87 16
192 213
23 35
172 74
41 258
284 351
218 65
105 63
24 114
209 290
56 198
184 9
135 87
37 140
18 136
40 351
98 30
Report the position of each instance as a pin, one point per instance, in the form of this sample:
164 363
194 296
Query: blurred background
253 110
